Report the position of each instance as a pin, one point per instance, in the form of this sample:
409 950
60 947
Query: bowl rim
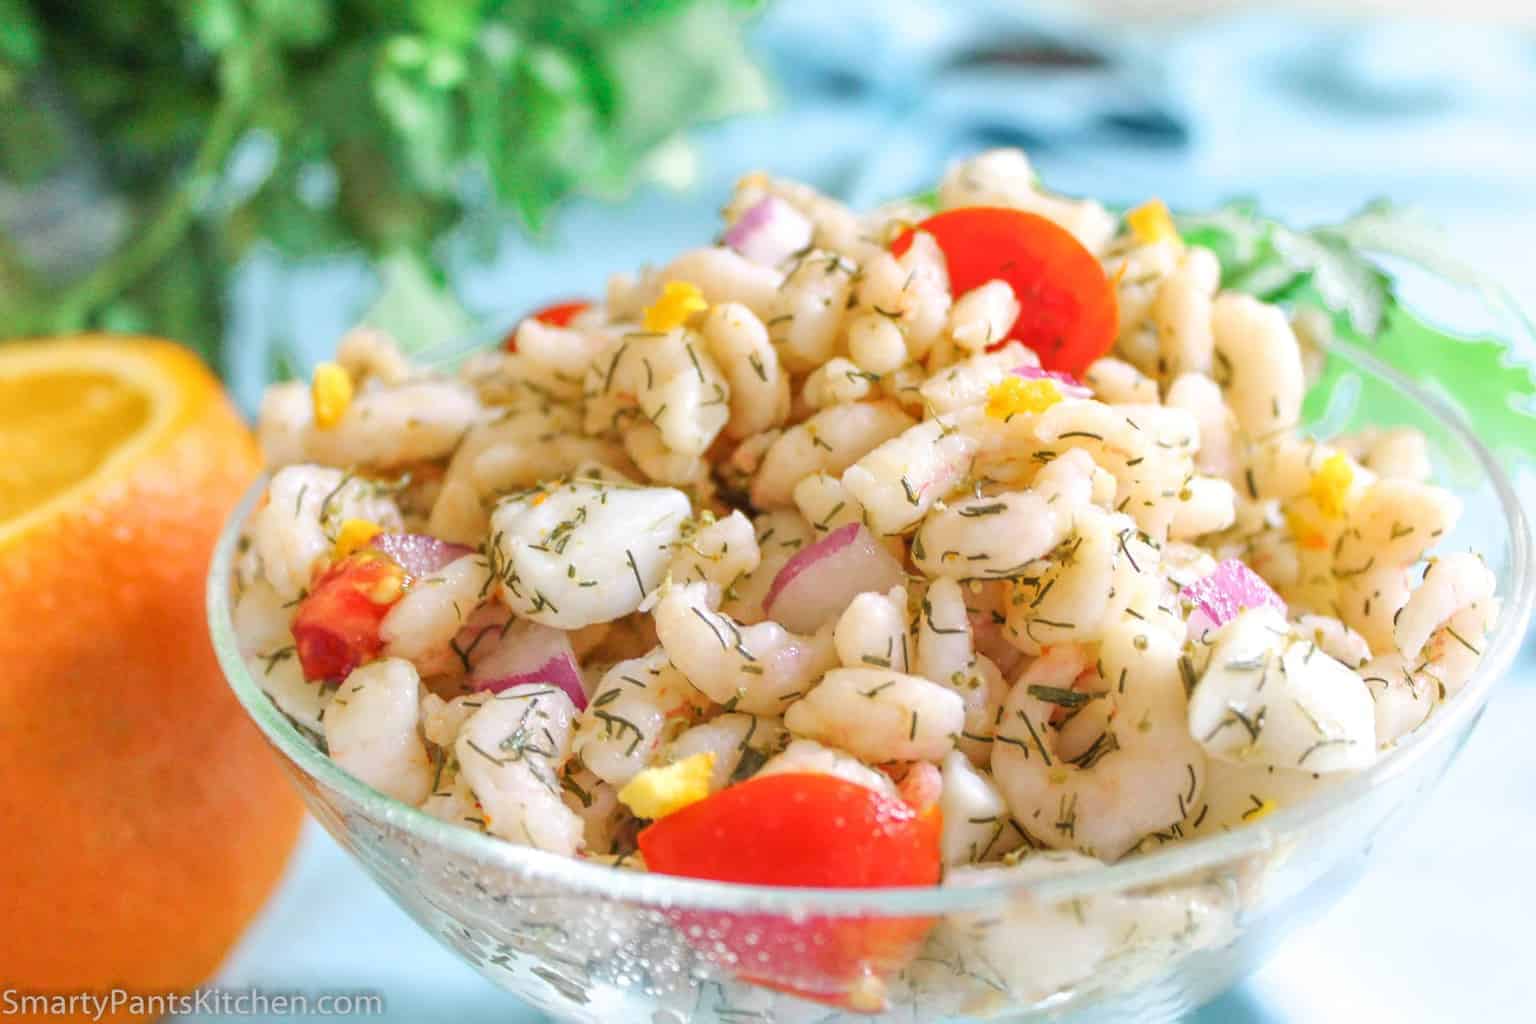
576 876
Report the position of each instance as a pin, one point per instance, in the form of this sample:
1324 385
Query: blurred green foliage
329 126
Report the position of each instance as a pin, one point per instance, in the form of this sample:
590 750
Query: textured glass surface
586 943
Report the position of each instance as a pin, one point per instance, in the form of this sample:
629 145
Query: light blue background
1313 119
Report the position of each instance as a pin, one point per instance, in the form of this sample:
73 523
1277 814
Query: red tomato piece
1068 312
556 314
803 830
336 628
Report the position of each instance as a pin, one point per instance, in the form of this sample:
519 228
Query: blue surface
1315 120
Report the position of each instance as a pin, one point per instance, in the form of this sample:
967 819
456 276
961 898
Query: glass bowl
1145 939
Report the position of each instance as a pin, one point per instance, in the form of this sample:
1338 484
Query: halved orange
144 823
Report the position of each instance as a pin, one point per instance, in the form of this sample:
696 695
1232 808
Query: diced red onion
816 585
482 631
1229 590
419 554
769 231
531 653
979 620
1070 386
990 641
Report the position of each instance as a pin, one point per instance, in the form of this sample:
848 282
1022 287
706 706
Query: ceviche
893 548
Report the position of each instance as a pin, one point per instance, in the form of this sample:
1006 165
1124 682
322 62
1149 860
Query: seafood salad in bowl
970 555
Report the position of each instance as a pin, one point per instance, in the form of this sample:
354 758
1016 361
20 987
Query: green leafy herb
1328 269
316 128
1265 258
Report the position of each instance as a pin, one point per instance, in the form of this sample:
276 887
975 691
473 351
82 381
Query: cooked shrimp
873 631
626 721
554 360
452 800
1403 699
1239 795
281 677
1142 773
826 504
968 381
759 386
715 552
1070 943
828 442
370 730
1451 585
1334 639
422 625
996 535
1395 522
369 353
809 756
260 620
946 654
879 715
1206 504
517 449
1117 381
287 416
1149 449
510 752
596 802
1257 363
1069 596
1266 697
982 316
1200 396
808 309
758 669
1369 602
977 824
901 479
742 745
441 719
1182 315
583 551
1453 651
667 379
296 526
399 424
724 277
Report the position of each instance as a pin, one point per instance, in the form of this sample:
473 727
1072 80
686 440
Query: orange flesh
58 428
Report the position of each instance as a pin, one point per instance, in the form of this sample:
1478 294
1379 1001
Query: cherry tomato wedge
556 314
1068 313
803 830
336 627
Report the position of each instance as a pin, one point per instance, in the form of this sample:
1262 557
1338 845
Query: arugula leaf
928 200
1327 268
1496 395
1265 258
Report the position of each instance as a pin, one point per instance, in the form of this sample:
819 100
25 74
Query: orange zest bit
1014 395
1330 485
1151 223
